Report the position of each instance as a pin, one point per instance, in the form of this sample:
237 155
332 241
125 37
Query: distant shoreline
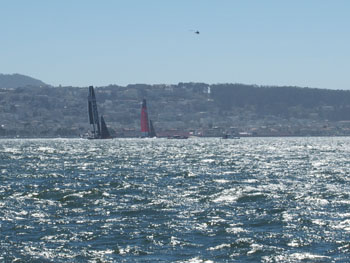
191 137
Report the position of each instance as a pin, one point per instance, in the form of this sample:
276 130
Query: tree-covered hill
284 101
10 81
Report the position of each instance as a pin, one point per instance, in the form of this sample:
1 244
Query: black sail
152 132
104 130
91 118
93 114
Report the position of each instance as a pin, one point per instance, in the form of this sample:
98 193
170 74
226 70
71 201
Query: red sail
144 120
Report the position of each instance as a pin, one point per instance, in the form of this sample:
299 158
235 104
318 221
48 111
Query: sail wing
93 114
152 132
144 120
91 118
104 130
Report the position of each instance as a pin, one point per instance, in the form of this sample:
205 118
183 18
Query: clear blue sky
265 42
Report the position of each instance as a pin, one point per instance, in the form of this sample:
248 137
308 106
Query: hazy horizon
268 43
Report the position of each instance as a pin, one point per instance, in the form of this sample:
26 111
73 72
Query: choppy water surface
159 200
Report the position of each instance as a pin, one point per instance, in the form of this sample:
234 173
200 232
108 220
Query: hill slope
10 81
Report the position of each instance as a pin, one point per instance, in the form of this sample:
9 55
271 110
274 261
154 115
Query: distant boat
147 128
99 130
230 136
178 137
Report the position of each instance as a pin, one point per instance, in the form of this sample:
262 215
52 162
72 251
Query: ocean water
160 200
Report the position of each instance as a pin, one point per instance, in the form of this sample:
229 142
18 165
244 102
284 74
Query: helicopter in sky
195 31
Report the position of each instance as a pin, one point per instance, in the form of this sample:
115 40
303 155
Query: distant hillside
284 102
197 108
9 81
